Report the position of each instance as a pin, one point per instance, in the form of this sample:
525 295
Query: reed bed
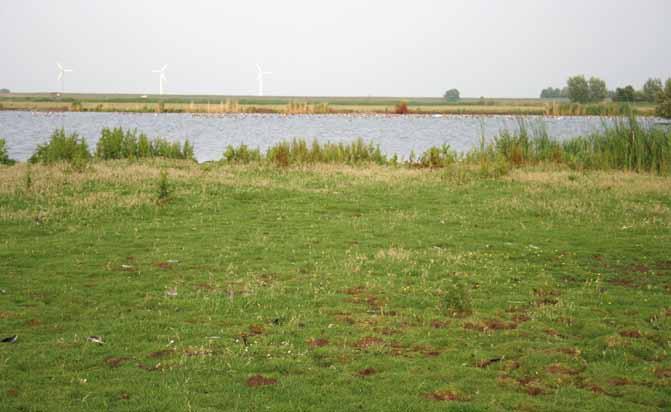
627 145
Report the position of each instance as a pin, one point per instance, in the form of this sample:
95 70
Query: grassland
333 287
306 105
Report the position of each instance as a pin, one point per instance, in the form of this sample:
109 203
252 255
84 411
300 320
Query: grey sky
510 48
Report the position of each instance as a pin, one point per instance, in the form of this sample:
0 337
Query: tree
452 95
627 94
597 89
4 91
664 101
578 89
550 93
651 89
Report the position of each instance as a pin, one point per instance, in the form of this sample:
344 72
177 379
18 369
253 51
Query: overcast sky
511 48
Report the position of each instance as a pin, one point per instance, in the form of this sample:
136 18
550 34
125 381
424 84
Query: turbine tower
161 78
259 76
61 75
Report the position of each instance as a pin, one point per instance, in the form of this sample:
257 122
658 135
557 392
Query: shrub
664 101
119 144
401 108
241 154
4 156
436 157
62 147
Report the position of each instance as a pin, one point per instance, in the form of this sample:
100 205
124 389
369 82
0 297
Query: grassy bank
310 105
333 287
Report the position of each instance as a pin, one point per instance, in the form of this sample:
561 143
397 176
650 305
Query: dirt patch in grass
425 350
161 353
440 324
663 373
446 395
115 362
258 380
594 388
483 363
366 372
547 301
631 334
163 265
33 323
489 325
620 382
318 343
559 369
625 282
368 341
12 392
255 330
521 318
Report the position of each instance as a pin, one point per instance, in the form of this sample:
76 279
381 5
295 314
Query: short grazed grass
332 287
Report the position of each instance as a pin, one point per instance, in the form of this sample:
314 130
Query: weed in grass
163 187
457 298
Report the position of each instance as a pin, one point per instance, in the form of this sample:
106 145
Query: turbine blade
59 66
164 67
60 75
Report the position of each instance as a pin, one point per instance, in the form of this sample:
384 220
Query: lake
211 134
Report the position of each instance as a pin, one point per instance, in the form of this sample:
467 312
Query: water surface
211 134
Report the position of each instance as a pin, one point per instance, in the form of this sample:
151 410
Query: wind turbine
259 76
61 75
161 78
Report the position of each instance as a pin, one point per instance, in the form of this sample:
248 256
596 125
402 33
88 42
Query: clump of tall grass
306 108
625 145
163 193
119 144
298 152
435 157
4 156
62 148
241 154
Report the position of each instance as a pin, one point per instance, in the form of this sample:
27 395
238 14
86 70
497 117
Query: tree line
579 89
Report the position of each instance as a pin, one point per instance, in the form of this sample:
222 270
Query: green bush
436 157
119 144
62 148
4 156
241 154
664 101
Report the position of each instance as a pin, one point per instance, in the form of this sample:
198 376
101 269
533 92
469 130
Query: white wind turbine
161 78
61 75
259 76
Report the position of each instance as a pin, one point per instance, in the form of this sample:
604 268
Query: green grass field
333 288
